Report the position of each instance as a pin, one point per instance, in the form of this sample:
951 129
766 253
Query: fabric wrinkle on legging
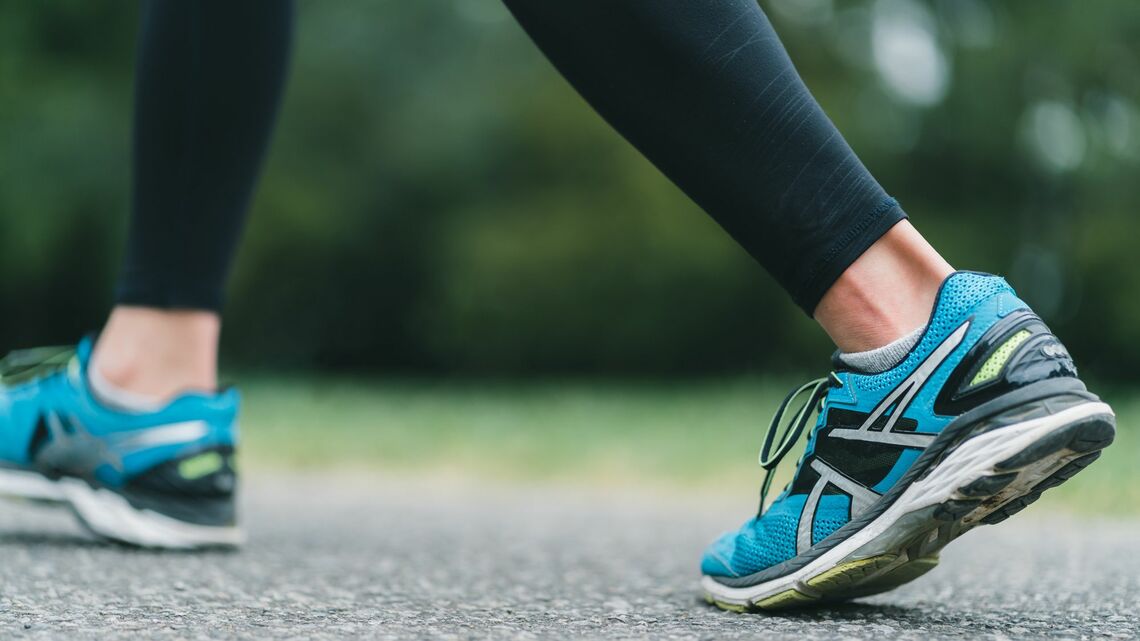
705 90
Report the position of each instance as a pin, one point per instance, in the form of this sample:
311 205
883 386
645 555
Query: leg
209 80
707 92
886 293
133 436
962 423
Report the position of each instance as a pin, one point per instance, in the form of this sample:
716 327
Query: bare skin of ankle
159 353
885 294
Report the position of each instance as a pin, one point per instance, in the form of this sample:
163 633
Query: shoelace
24 365
815 391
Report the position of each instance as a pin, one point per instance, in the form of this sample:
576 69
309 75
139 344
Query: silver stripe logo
861 499
171 434
75 450
899 398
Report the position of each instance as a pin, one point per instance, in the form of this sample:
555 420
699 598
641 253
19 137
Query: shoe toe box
758 545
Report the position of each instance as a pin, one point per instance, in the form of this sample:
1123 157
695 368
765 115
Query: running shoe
982 416
162 479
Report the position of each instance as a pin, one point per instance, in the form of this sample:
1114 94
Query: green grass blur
675 436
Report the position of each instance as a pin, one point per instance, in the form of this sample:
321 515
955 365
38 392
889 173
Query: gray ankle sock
119 398
882 359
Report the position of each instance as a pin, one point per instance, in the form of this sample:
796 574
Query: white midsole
973 459
109 514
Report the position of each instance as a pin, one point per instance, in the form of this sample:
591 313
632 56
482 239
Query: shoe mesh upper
772 539
833 513
766 541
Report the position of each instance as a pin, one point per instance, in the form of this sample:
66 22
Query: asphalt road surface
366 557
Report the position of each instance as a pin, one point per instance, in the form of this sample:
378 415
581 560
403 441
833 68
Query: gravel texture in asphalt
368 557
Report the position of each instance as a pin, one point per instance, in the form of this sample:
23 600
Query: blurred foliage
438 199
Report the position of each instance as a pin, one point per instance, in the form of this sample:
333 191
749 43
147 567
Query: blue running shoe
160 479
984 414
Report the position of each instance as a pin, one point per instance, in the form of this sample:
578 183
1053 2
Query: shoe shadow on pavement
49 539
854 612
78 541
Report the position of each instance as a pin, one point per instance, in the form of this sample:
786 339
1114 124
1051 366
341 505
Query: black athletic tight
207 85
704 89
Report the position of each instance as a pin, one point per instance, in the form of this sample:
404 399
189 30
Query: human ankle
157 354
885 294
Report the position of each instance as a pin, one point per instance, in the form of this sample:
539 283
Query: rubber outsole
109 516
910 548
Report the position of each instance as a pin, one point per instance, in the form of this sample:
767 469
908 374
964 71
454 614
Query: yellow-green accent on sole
862 577
731 607
844 576
897 576
786 599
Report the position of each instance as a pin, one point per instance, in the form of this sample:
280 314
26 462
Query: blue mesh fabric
832 514
960 294
762 543
759 543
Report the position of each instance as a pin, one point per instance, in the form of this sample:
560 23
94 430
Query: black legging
704 89
207 86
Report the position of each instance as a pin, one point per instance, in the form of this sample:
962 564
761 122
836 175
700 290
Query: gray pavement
367 557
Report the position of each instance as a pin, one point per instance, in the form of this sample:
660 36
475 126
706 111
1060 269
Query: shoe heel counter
199 484
1018 350
207 467
1040 356
199 488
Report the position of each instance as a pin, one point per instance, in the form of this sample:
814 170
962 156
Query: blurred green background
440 207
